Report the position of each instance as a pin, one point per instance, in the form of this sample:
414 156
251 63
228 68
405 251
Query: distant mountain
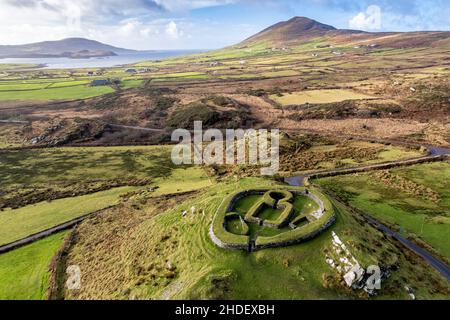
292 30
76 48
300 29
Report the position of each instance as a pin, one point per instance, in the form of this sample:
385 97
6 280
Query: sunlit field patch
319 96
24 272
59 93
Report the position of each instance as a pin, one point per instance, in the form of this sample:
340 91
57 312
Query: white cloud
173 31
177 5
368 20
136 24
129 27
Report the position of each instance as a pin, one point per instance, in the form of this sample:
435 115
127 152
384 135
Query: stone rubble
353 274
345 262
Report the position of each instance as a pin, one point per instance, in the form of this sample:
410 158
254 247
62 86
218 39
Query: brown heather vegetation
19 196
101 241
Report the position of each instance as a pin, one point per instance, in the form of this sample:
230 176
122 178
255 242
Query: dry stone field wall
318 221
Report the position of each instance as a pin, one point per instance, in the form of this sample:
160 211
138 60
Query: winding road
437 264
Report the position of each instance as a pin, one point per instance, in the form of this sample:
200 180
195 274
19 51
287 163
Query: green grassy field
73 83
182 76
24 272
16 66
58 93
45 171
182 180
415 199
236 52
132 83
82 164
16 224
7 86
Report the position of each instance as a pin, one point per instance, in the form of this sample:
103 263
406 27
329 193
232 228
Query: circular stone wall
260 218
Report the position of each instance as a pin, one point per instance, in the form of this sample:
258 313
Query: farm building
96 83
131 71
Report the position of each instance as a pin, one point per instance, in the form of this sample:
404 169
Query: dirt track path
14 122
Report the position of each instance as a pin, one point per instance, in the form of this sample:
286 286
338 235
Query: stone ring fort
259 218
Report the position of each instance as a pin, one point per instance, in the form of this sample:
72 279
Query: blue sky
202 24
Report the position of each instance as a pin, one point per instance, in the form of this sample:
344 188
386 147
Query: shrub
185 117
163 103
256 92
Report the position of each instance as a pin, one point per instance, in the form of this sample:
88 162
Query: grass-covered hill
296 29
153 252
301 29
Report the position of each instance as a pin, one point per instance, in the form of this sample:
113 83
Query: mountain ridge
70 47
302 29
294 31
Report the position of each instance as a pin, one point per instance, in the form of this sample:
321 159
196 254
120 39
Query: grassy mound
217 111
185 117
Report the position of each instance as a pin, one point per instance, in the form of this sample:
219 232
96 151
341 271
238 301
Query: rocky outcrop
67 132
